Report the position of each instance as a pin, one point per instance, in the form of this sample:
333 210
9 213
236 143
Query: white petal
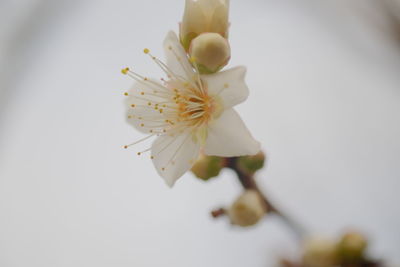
219 20
229 137
174 155
177 60
209 6
194 19
229 85
138 110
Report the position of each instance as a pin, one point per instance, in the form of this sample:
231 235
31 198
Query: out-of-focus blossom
188 112
352 246
319 252
248 209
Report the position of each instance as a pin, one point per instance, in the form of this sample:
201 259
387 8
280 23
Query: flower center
195 109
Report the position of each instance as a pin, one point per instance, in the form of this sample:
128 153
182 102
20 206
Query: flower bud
352 246
210 51
319 253
207 167
251 164
248 209
202 16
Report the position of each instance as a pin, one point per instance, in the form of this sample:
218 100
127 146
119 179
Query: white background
325 104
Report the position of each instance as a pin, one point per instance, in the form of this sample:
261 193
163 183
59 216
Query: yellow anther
164 106
149 103
133 105
161 110
125 71
226 85
145 78
163 169
139 153
152 157
142 93
142 124
146 50
192 59
125 94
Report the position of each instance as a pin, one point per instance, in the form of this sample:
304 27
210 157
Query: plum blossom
188 113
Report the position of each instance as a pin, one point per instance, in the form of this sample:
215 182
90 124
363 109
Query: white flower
188 112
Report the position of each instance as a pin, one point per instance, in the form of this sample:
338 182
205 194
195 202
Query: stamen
125 71
141 140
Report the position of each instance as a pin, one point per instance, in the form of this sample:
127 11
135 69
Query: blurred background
325 103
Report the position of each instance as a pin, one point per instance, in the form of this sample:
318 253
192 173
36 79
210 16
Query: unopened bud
319 253
202 16
207 167
248 209
352 246
210 51
251 164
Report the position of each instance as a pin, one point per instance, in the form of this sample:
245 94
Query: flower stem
248 182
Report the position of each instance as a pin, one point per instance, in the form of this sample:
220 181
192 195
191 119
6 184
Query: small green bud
207 167
248 209
251 164
352 246
210 51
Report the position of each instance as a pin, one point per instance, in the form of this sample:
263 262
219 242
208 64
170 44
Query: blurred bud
207 167
319 253
352 246
210 51
202 16
251 164
248 209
